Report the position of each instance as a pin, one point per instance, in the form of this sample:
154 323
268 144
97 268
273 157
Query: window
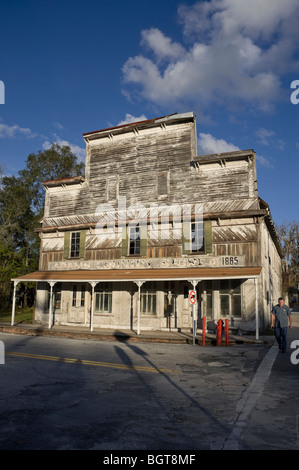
169 303
209 304
162 183
148 299
103 298
134 242
82 302
75 245
230 298
57 296
112 188
134 239
74 300
197 237
78 299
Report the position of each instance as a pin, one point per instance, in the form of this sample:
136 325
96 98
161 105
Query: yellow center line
91 363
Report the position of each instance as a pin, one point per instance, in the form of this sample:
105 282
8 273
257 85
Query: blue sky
71 67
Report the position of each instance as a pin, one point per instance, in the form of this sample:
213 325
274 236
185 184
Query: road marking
92 363
249 399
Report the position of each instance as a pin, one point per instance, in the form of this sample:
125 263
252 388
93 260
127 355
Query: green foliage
21 208
289 240
54 163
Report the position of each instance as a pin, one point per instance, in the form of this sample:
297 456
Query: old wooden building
151 219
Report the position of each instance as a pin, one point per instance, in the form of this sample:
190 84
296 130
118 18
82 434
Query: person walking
280 315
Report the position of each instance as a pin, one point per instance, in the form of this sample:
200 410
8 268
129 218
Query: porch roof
162 274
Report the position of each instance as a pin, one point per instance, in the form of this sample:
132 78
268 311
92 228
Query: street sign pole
193 300
194 324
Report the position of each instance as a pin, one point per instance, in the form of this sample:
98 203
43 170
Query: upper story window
134 240
75 245
163 183
112 188
197 237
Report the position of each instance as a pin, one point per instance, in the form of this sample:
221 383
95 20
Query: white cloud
130 118
14 131
264 135
263 161
78 151
57 125
237 52
162 46
208 144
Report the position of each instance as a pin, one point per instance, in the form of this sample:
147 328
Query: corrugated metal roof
118 275
157 120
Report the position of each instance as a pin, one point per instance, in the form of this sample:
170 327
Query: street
66 394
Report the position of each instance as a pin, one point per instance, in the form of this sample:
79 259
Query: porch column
93 284
13 312
139 284
256 309
52 284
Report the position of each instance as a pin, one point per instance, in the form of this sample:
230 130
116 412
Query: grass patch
23 315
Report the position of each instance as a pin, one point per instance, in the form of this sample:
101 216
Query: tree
21 207
289 239
54 163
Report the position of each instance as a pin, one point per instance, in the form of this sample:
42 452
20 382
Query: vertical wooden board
125 241
67 237
82 243
143 240
208 236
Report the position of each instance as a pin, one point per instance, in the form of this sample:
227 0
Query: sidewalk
100 334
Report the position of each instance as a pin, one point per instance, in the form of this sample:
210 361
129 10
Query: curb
123 336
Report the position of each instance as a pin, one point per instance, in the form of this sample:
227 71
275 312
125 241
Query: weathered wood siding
158 164
133 165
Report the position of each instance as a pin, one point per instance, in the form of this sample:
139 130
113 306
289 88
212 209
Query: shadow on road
125 358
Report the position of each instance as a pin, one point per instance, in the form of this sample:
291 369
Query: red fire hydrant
219 332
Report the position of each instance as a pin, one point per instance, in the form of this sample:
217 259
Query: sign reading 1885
230 260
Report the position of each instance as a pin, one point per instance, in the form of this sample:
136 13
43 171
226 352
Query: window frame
76 243
194 243
134 241
148 291
231 292
102 291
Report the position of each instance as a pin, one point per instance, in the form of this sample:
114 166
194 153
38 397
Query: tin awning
122 275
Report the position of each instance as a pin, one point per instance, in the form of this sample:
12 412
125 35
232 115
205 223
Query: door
77 310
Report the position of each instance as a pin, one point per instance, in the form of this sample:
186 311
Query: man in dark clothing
281 314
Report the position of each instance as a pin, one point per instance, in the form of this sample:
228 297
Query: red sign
192 297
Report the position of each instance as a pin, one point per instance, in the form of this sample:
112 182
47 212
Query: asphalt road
65 394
